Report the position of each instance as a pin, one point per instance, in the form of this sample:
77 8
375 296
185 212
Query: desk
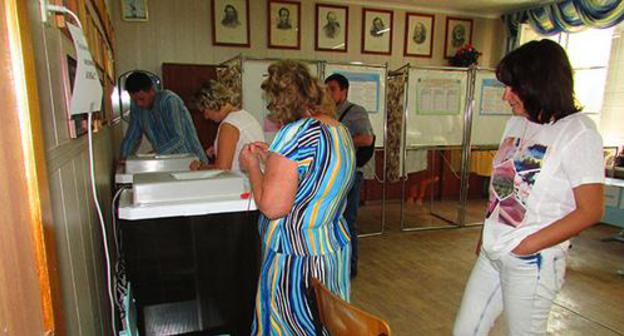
614 208
614 202
202 256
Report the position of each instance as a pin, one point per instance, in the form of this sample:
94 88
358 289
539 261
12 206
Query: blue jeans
350 215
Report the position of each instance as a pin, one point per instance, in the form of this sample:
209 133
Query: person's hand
524 248
248 157
210 152
260 149
195 165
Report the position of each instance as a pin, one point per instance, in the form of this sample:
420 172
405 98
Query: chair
341 318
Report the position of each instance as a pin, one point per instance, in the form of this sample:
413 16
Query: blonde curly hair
214 95
293 92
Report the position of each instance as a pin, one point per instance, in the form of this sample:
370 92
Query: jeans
350 214
521 287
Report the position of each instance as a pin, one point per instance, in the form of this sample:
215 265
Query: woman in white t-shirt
546 187
236 129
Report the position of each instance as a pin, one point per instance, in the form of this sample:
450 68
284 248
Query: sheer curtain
612 119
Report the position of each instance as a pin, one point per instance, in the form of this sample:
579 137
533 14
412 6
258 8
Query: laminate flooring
415 280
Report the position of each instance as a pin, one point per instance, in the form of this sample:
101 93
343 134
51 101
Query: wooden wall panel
96 269
66 270
75 227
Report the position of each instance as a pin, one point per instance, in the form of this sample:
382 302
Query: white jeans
523 287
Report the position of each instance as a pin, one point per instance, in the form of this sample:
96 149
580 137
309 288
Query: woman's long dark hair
540 73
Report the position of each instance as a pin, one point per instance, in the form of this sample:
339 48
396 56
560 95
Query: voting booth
448 122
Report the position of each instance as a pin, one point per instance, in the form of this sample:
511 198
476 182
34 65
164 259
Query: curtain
512 23
565 16
395 101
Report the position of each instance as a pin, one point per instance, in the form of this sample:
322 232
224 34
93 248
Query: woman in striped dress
301 194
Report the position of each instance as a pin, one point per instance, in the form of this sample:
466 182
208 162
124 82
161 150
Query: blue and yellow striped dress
313 239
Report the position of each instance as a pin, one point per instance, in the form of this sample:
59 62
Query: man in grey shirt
355 118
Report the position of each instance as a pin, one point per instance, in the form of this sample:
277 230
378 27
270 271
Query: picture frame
134 10
230 23
331 28
284 24
377 31
458 34
419 29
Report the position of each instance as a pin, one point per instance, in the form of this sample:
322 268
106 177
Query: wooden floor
415 280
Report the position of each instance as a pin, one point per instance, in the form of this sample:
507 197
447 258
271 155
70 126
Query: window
595 56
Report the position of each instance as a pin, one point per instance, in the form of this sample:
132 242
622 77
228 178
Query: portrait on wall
376 31
418 34
134 10
284 28
230 23
332 27
458 34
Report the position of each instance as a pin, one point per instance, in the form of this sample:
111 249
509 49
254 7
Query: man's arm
362 140
185 138
133 134
362 128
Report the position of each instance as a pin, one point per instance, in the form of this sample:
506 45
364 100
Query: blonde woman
237 127
301 194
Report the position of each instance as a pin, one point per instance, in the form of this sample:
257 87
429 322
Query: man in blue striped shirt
162 117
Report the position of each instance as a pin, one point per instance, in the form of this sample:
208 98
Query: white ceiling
468 7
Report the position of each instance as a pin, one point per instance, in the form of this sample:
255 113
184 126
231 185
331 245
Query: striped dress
313 239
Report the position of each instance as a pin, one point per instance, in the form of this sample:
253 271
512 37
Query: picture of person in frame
378 29
230 17
420 33
458 36
284 19
332 27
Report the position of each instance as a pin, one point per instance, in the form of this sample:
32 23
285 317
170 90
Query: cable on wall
62 10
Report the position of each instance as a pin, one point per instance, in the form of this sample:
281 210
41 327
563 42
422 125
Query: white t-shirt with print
535 169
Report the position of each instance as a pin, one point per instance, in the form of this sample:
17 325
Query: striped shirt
325 167
167 126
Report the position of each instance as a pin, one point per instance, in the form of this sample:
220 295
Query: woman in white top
237 127
546 187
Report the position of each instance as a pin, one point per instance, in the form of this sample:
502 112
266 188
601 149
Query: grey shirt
356 120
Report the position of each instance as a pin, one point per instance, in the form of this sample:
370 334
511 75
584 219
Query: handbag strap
344 114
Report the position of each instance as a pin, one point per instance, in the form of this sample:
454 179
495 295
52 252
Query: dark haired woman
546 188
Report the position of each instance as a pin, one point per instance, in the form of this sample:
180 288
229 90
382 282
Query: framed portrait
458 34
418 34
134 10
284 24
230 23
376 31
332 28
